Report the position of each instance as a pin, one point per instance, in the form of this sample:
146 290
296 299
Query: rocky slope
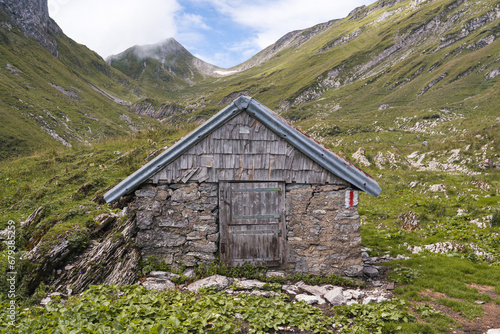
32 17
293 39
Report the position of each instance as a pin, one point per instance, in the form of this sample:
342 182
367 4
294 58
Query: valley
408 90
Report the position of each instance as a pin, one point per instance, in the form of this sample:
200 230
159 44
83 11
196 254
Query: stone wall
323 235
179 223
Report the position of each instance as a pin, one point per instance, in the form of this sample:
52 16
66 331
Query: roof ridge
316 151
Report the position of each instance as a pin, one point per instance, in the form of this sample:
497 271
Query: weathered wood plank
266 157
250 231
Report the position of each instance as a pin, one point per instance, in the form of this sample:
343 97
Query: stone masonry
323 235
178 223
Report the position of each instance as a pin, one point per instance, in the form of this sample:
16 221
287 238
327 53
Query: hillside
55 92
395 63
408 90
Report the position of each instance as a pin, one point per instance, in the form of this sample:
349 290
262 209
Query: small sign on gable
351 197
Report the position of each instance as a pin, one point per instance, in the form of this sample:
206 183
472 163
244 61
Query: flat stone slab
310 299
291 289
159 274
273 273
249 284
312 289
158 284
218 281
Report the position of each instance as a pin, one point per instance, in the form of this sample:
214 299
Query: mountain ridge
407 54
409 47
55 92
32 16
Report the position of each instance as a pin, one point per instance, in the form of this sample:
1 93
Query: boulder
45 301
335 296
189 273
354 270
369 300
104 219
360 157
437 187
371 271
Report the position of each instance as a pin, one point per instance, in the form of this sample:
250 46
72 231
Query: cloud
187 21
272 19
111 26
223 32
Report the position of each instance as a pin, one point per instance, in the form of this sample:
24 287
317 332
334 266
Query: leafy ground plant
387 317
133 309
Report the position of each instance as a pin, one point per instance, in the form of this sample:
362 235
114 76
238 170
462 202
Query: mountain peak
157 51
168 58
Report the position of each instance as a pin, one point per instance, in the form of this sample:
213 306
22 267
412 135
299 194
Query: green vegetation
451 129
69 185
132 309
387 317
52 179
47 102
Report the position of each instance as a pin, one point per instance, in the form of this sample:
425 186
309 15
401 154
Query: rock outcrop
32 17
112 259
361 158
149 108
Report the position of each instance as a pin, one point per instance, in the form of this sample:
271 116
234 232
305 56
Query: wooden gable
243 149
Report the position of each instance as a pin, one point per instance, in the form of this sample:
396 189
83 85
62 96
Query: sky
221 32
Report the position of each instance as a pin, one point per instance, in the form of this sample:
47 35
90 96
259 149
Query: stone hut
248 187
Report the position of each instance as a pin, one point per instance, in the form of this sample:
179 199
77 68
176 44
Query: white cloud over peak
111 26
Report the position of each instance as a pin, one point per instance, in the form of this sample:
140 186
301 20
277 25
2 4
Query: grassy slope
29 102
465 114
395 81
51 179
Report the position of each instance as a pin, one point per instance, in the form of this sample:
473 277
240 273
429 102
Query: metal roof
311 148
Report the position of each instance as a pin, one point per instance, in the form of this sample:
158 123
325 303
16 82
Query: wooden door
252 223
